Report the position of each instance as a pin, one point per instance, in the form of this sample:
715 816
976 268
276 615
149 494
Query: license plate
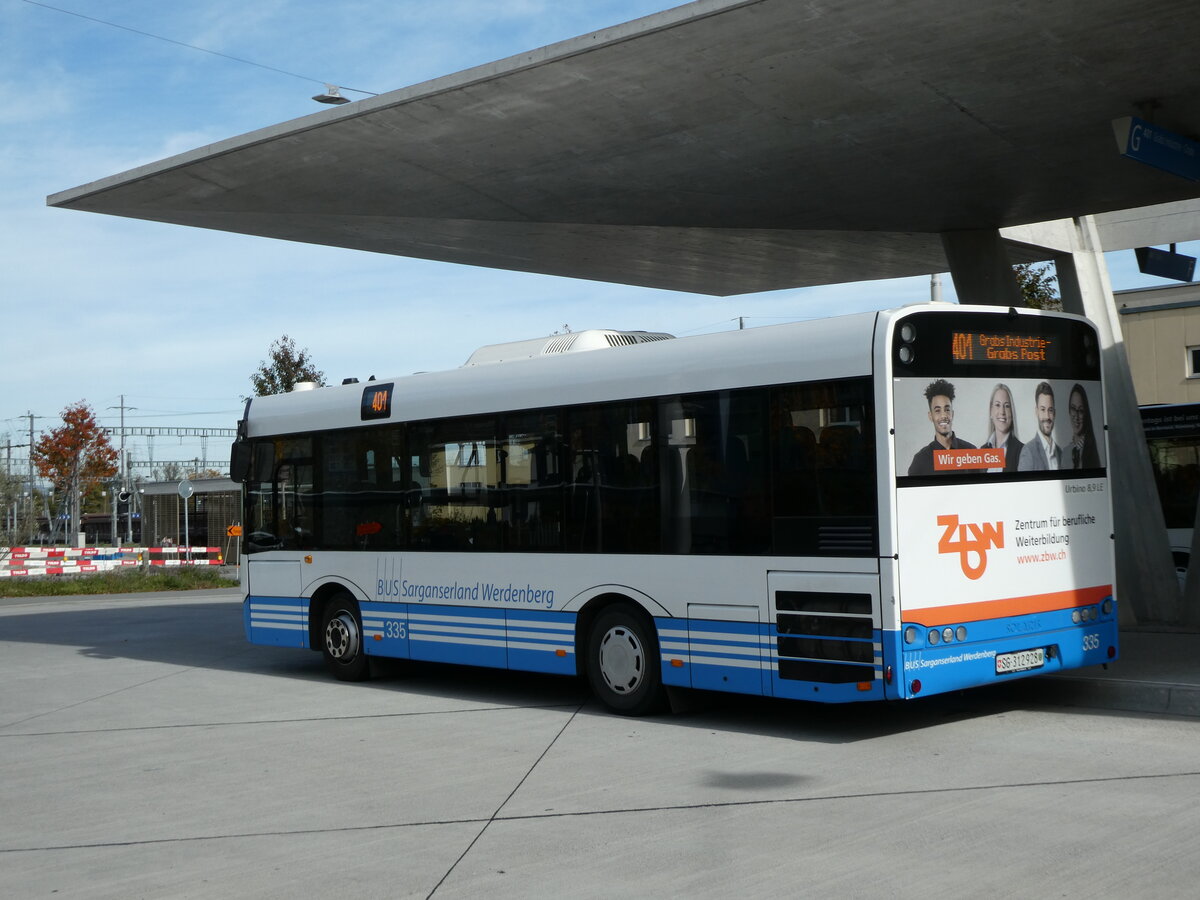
1021 661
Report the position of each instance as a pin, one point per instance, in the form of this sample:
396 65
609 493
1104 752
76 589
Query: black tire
342 640
623 667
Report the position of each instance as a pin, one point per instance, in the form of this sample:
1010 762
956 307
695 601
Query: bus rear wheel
622 662
341 640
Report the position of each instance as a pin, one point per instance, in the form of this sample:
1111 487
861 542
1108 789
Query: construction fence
34 561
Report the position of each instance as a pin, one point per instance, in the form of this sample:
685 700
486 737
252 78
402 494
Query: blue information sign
1155 146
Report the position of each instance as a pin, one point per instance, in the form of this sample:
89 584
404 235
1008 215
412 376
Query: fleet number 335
394 629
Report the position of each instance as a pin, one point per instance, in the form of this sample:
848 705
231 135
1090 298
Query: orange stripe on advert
1011 606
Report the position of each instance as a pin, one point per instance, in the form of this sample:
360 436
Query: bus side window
842 471
264 461
360 495
260 500
294 508
612 496
531 482
294 493
418 485
823 482
458 489
341 489
717 473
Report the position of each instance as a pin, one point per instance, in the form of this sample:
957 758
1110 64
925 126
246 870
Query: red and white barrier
33 561
185 556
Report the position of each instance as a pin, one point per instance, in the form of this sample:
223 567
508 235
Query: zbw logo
981 538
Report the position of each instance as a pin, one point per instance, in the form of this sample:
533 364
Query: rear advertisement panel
1002 502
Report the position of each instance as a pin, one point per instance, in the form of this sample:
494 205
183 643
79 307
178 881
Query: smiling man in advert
940 397
1042 453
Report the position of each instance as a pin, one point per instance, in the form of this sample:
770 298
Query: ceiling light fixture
332 95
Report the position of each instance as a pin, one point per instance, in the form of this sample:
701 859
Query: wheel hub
622 660
341 636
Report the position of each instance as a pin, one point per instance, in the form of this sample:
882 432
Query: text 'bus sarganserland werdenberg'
884 505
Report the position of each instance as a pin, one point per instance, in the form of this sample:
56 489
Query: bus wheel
341 640
622 662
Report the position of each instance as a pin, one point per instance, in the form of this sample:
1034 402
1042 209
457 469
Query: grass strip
122 581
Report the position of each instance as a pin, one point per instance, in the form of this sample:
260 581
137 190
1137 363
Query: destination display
1004 347
377 401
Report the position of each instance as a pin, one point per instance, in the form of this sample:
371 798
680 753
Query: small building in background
215 506
1161 326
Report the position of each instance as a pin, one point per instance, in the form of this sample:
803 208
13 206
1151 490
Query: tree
170 472
76 457
284 368
1037 286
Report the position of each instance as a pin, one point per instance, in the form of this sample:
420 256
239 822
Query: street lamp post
185 491
123 471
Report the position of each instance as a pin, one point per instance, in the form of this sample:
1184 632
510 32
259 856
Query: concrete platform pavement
1158 671
147 750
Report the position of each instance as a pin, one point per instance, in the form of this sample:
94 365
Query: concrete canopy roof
721 147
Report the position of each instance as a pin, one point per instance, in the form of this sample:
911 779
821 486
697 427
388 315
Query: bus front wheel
341 640
622 662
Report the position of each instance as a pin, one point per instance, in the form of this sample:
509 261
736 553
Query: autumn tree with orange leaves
76 457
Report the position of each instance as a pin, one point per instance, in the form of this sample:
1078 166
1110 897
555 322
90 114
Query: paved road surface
147 751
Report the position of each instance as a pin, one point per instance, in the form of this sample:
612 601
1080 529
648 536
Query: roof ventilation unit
593 339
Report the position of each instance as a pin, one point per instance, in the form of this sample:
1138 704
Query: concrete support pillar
1146 583
981 268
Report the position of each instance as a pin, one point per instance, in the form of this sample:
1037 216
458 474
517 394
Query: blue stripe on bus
456 634
276 621
529 640
534 641
743 657
866 678
541 641
707 654
713 655
385 629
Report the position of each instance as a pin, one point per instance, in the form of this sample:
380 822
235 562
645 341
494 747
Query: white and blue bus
884 505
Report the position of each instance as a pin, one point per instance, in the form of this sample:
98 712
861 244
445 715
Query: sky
171 321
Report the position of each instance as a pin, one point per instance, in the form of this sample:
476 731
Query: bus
831 510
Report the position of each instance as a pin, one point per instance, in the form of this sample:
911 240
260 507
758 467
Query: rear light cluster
947 635
1092 613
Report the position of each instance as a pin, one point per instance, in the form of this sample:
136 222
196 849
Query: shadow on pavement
209 635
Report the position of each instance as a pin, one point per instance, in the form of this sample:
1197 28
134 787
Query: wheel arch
322 594
595 602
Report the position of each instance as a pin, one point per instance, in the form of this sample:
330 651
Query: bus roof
821 349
